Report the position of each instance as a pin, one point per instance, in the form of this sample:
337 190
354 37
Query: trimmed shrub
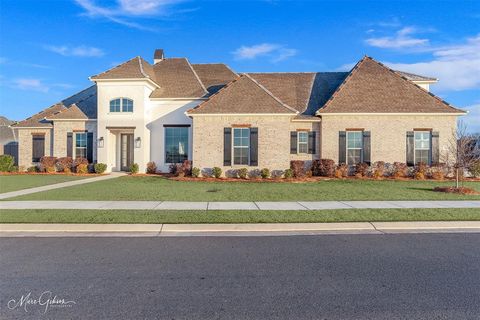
298 168
254 174
309 173
341 171
277 174
6 163
399 170
187 167
100 168
195 172
82 168
78 161
242 173
33 169
265 173
217 172
361 169
288 174
64 164
47 164
474 169
378 169
151 167
134 168
420 171
323 168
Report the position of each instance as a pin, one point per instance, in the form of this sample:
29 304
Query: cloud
125 9
403 39
80 51
275 52
30 84
471 120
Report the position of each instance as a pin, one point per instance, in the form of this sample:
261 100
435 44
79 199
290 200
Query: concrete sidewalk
23 192
254 229
207 206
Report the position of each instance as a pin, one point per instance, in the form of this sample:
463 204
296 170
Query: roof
38 119
214 76
135 68
415 77
72 113
85 100
6 133
177 79
371 87
243 95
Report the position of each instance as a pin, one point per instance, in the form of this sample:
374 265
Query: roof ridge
271 94
310 92
115 67
141 67
196 76
215 94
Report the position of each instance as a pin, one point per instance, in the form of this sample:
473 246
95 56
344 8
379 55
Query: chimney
158 56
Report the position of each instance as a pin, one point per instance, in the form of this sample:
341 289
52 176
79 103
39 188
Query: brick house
173 110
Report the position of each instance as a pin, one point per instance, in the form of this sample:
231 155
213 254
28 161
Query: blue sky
48 49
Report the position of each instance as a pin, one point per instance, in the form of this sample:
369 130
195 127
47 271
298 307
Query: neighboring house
8 141
173 110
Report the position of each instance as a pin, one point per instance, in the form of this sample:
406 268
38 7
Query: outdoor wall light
138 142
100 142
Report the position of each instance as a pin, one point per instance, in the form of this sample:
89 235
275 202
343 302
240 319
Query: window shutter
410 148
366 147
254 146
227 146
435 148
90 147
69 144
342 147
293 142
312 142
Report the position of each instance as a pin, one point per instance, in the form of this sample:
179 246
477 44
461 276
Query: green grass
158 188
17 182
150 216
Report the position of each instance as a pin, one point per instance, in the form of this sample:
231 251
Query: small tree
463 150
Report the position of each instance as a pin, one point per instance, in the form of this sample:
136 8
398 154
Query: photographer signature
45 300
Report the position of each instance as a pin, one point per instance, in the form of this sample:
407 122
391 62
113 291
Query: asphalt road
408 276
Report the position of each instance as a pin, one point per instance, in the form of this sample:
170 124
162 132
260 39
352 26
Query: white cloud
472 119
403 39
30 84
275 52
80 51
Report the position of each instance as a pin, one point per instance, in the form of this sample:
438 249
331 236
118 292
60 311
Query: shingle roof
85 100
415 77
73 112
177 79
371 87
243 95
38 120
6 133
135 68
214 76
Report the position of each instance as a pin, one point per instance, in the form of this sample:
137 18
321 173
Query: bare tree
462 151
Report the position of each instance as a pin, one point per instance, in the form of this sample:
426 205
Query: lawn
17 182
159 188
151 216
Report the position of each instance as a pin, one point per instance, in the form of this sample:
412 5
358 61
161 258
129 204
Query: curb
92 230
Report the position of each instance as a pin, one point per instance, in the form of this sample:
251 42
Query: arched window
121 105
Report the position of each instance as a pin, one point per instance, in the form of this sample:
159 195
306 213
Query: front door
126 151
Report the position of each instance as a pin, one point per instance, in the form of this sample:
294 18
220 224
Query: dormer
421 81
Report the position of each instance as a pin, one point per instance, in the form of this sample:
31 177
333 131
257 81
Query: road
407 276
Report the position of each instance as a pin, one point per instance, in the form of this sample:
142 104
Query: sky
48 49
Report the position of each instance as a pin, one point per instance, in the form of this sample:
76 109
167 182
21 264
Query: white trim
307 120
347 148
391 114
237 114
241 147
126 79
174 99
79 120
298 142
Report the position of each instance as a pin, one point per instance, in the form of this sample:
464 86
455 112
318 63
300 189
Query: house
8 141
174 110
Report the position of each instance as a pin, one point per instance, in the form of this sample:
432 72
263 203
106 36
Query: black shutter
312 142
254 146
342 147
227 146
90 147
410 148
293 142
366 147
69 144
435 148
38 147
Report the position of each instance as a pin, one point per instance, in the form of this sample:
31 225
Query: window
241 146
176 144
422 147
354 147
121 105
38 147
81 145
302 142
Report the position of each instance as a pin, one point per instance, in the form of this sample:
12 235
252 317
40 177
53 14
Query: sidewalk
207 206
23 192
253 229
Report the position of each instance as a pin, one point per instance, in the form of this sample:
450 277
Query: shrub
242 173
187 167
134 168
309 173
14 169
378 169
6 162
82 168
195 172
438 172
298 168
100 168
361 169
47 164
254 174
276 174
32 169
323 168
475 169
217 172
421 167
78 161
64 164
288 174
265 173
341 171
419 176
399 170
151 167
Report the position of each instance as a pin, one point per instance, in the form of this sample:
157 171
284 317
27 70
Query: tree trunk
456 178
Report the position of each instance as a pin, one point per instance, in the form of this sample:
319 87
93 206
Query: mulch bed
461 190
